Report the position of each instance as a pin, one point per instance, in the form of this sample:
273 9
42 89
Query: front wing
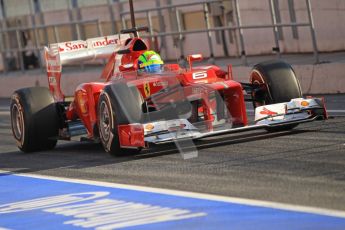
269 116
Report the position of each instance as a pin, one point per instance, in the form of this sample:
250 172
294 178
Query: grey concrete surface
305 166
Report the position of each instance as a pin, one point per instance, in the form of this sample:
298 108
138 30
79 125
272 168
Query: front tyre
110 115
280 85
34 119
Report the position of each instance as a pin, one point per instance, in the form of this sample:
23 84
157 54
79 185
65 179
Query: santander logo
71 46
95 43
105 42
266 111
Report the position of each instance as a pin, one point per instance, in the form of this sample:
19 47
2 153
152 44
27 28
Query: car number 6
200 75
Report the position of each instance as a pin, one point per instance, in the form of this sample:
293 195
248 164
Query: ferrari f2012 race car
128 109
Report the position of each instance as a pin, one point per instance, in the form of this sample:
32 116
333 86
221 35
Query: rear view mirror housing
192 58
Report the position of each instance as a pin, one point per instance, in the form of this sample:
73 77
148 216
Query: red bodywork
196 82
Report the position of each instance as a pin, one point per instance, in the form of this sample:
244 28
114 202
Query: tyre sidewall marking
16 102
107 143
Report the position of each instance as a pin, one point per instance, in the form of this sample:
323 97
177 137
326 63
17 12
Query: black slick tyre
34 119
280 85
118 104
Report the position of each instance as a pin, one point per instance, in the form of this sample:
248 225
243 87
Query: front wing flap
295 110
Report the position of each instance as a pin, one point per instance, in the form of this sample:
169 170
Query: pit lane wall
325 78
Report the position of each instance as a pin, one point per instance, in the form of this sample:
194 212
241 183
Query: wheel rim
257 79
105 121
17 120
257 103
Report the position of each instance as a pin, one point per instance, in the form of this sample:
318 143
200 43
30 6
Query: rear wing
78 51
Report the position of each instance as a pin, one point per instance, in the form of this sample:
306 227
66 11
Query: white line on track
2 113
259 203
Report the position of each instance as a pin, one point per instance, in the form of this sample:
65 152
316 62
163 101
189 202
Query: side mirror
126 51
192 58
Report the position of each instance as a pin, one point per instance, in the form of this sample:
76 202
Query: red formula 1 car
127 110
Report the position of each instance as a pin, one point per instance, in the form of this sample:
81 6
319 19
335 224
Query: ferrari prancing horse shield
147 89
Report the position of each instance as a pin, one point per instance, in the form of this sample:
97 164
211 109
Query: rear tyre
34 119
280 85
118 104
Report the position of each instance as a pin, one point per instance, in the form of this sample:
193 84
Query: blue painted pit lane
37 202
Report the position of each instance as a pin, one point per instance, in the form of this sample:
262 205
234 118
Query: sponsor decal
53 63
94 43
52 80
160 83
72 46
105 42
304 103
197 90
268 112
149 127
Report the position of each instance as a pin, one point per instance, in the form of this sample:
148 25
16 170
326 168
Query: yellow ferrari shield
147 89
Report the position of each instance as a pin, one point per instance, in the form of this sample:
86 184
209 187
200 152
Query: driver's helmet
150 62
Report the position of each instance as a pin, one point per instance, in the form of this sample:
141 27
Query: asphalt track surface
305 166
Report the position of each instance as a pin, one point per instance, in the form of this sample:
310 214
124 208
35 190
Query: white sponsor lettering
113 214
47 202
53 62
103 213
200 75
52 80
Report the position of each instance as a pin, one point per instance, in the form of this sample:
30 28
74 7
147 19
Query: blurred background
224 28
